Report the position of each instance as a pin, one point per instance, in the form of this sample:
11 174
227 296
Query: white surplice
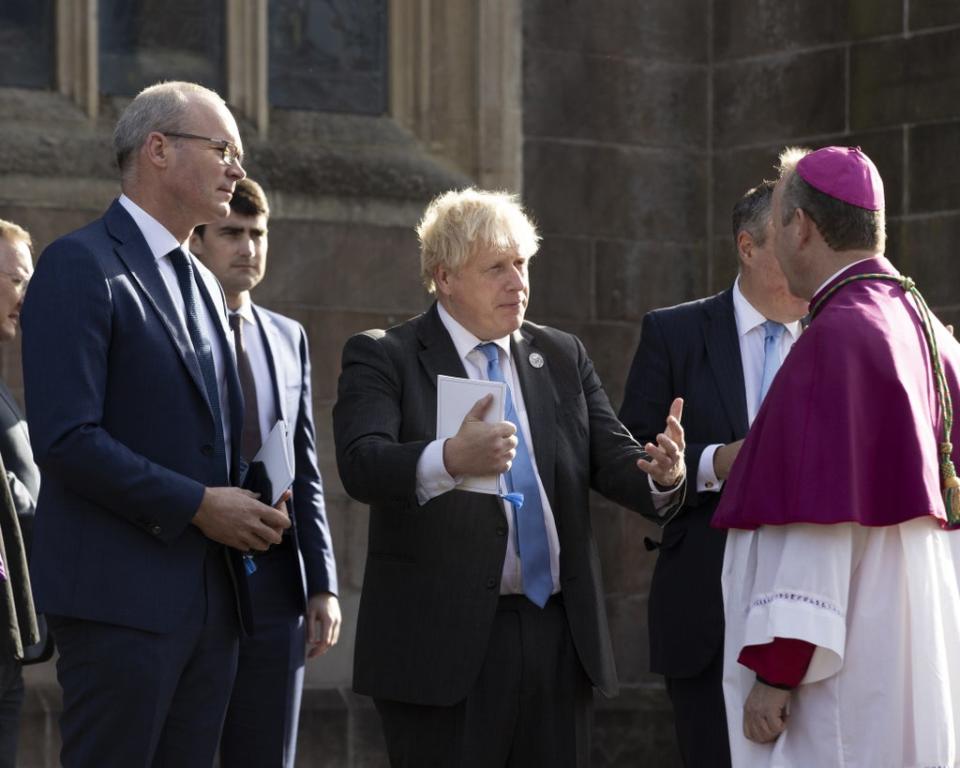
882 605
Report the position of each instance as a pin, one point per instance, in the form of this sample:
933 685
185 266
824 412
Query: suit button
491 583
206 449
709 484
155 529
501 530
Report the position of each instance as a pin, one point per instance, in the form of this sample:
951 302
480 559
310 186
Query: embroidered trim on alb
796 597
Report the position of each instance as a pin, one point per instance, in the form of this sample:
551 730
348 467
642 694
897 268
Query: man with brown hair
296 580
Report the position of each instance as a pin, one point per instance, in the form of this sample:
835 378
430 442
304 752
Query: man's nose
236 171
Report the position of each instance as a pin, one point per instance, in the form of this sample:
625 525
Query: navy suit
690 351
123 433
261 725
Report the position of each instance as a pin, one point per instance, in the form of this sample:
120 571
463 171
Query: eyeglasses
229 152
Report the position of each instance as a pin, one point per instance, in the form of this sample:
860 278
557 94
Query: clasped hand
234 516
480 448
665 465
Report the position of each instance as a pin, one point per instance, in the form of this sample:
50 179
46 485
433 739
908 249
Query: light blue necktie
772 331
522 480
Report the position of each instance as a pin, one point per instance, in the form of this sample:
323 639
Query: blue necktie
530 530
772 331
201 346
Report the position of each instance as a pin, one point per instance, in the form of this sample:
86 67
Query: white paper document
275 457
455 397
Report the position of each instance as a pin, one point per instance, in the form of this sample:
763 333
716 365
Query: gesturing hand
666 455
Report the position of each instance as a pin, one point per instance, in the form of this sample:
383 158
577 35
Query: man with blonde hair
135 413
482 630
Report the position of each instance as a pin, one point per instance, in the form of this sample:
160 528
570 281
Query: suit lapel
271 343
133 251
438 355
537 387
723 352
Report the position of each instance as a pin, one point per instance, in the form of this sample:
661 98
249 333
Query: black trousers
531 705
701 717
136 699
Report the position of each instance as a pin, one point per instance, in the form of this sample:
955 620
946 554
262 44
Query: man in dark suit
711 353
294 588
482 628
135 415
19 624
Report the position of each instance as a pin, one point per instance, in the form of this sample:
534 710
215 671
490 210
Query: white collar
159 239
748 317
246 309
840 271
464 341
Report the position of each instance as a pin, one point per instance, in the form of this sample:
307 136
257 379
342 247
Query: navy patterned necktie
201 346
530 529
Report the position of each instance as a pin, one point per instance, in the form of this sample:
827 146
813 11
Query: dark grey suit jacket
432 576
690 351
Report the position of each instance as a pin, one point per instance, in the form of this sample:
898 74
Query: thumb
479 409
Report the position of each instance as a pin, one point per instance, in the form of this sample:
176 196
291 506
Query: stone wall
616 138
882 74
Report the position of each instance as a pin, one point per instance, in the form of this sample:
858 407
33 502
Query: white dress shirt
433 479
267 410
160 242
432 476
750 334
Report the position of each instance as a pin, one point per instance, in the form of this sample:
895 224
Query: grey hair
844 227
752 211
161 107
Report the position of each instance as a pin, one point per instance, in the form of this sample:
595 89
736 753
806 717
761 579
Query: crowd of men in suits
183 606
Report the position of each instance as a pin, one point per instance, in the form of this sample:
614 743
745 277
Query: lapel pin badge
536 359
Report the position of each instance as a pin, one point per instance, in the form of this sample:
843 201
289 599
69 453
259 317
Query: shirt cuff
782 663
661 499
432 476
707 479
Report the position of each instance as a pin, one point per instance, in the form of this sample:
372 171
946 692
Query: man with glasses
19 484
135 413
